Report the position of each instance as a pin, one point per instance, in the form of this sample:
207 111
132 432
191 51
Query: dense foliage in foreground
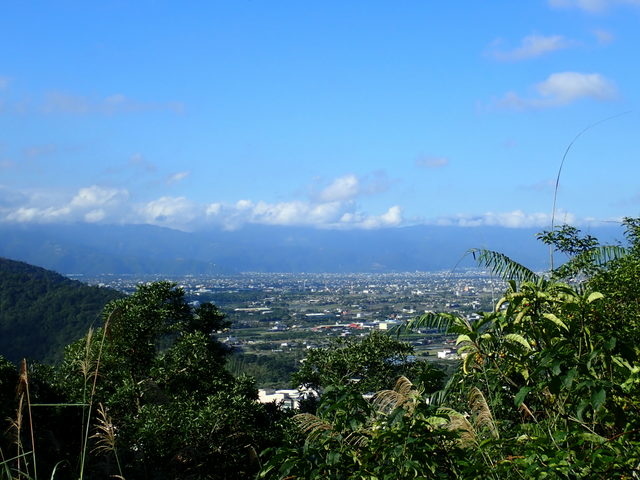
144 396
548 387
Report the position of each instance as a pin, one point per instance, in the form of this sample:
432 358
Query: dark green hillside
42 311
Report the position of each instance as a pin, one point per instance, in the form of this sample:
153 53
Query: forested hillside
42 311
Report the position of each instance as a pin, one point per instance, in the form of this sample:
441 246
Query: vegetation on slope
41 311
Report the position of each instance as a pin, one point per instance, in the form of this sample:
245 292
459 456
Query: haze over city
324 114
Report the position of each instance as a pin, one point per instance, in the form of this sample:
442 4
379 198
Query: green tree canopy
367 364
158 372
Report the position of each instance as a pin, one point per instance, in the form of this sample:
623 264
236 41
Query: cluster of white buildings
286 398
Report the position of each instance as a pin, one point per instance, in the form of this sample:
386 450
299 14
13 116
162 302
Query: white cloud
295 213
104 204
349 187
391 218
4 82
532 46
568 86
96 196
562 89
284 213
280 213
89 204
342 188
333 206
174 212
213 209
177 177
514 219
334 214
96 204
94 216
39 215
244 204
592 6
432 162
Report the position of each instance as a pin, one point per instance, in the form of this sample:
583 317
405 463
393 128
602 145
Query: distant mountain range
144 249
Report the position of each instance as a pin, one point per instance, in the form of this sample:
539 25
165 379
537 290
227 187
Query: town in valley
282 315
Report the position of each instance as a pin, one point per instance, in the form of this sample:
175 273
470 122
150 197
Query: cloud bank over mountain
334 207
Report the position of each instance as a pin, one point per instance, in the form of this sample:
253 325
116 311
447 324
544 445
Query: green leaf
441 321
503 266
584 403
519 339
597 398
568 378
592 437
519 398
556 320
521 315
594 296
467 363
610 344
333 458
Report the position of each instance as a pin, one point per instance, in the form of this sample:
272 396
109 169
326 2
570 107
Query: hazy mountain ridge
141 249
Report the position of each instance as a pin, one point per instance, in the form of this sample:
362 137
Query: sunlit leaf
594 296
503 266
519 339
556 320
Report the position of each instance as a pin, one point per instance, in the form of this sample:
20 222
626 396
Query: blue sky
360 114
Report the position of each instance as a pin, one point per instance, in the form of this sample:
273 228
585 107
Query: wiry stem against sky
333 115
